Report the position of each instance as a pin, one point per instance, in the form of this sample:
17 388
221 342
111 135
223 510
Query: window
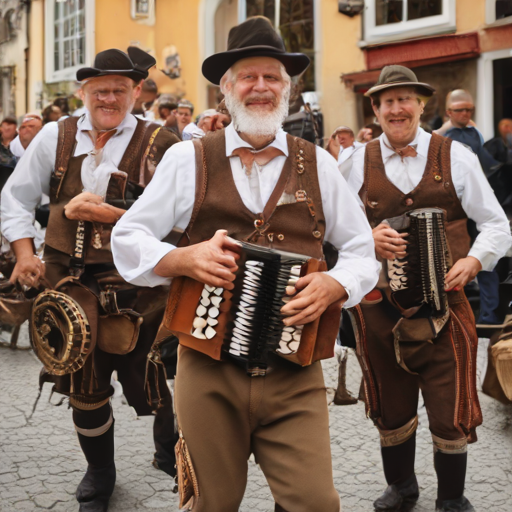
69 43
295 22
388 20
143 11
498 11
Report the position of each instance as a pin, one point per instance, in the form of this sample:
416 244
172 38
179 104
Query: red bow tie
248 156
404 152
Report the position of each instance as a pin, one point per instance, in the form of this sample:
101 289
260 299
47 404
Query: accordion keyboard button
210 332
205 302
216 301
212 321
198 333
213 312
199 323
218 291
201 310
294 346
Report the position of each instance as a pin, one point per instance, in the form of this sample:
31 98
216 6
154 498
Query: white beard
259 124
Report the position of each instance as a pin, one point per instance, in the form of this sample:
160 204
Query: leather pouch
118 334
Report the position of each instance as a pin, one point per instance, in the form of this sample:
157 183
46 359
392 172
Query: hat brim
86 73
215 66
423 88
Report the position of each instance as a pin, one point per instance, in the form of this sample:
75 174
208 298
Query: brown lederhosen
90 387
445 369
223 413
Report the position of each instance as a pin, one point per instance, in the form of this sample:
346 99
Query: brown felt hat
134 64
399 76
255 37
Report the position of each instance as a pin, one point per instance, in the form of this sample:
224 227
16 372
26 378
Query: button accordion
417 280
245 324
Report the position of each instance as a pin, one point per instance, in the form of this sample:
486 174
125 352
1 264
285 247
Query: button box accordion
245 324
417 280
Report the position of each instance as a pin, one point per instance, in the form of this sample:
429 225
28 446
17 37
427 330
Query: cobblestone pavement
41 463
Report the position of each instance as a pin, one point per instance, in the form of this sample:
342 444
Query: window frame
242 16
490 15
431 25
144 19
51 74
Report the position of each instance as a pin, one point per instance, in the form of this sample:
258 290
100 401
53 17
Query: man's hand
29 268
317 291
461 273
214 123
333 146
212 262
388 242
364 135
90 207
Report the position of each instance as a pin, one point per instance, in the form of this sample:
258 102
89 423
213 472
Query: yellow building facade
452 43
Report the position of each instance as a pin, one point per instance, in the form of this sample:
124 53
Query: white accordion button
210 332
212 321
216 301
205 302
198 333
213 312
199 323
201 310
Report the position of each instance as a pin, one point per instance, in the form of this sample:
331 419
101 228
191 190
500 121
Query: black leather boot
451 477
96 487
94 491
398 496
402 490
165 437
461 504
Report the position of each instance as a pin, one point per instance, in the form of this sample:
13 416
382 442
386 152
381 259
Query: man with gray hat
254 183
93 168
405 349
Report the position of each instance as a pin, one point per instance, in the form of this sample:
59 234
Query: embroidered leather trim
450 447
399 435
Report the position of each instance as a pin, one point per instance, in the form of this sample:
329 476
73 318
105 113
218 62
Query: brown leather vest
147 146
292 219
383 200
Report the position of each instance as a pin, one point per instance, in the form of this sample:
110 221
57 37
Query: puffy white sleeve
347 229
165 204
26 185
480 204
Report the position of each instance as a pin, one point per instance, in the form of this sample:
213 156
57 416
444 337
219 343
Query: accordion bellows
245 324
418 279
502 358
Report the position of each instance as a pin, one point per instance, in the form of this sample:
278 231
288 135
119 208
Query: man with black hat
93 168
248 187
408 169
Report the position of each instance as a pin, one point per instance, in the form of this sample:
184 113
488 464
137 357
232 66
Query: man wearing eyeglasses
460 109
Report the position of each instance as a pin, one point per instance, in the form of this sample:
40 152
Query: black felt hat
135 64
254 37
399 76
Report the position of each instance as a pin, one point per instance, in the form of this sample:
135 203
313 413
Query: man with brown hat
255 184
93 168
408 169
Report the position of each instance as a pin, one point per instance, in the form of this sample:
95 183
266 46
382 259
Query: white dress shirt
31 178
168 200
16 148
346 158
471 185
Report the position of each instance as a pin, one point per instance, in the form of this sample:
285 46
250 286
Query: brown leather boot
343 396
